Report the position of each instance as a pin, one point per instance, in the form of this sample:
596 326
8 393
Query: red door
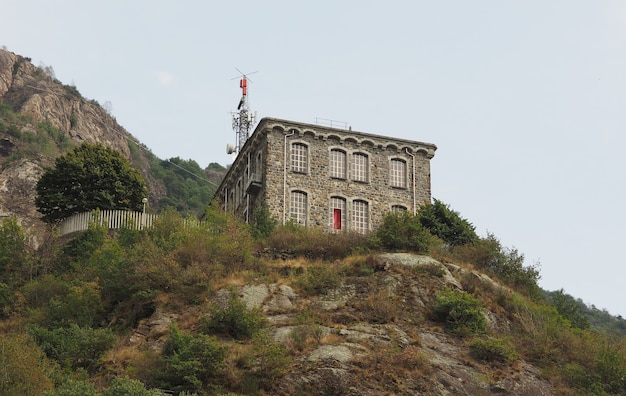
336 219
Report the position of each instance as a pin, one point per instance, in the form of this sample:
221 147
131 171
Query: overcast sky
526 100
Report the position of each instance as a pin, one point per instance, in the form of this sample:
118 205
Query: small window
337 214
398 209
360 216
298 207
360 167
338 164
397 173
299 153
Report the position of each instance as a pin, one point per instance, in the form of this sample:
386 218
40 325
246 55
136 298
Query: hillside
216 311
233 309
41 118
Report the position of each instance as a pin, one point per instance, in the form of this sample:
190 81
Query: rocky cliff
40 98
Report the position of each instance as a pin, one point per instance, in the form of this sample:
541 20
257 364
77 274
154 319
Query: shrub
14 251
492 350
269 360
380 307
461 312
190 362
236 320
507 264
24 369
128 387
446 224
262 223
73 346
75 387
403 231
319 279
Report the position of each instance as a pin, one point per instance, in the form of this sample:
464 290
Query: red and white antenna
243 119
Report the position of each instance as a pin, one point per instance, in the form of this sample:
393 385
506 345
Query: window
359 167
360 216
397 173
398 209
337 213
299 157
338 164
298 207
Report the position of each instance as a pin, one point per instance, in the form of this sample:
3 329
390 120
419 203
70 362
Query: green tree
446 224
87 178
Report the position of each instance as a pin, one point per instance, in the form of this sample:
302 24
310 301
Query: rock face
355 342
29 91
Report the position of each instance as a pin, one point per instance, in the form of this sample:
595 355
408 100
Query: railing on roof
113 219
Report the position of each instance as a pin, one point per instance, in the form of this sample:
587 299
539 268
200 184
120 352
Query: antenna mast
243 119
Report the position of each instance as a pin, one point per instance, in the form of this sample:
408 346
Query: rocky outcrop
30 92
345 349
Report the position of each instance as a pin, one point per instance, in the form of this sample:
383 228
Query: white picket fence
114 219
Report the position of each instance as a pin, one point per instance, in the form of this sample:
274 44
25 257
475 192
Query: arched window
337 164
398 209
298 207
299 157
360 216
337 214
397 173
360 166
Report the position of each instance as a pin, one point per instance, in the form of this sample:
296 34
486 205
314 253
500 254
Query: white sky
526 100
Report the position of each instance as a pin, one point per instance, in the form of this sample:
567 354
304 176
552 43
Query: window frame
299 157
299 207
360 216
359 169
338 163
398 175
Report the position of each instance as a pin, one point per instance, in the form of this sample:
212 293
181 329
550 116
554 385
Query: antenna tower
243 119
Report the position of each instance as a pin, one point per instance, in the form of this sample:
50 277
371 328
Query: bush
314 243
269 360
319 279
236 320
73 346
75 387
446 224
128 387
492 350
404 231
507 264
24 369
262 223
190 363
461 312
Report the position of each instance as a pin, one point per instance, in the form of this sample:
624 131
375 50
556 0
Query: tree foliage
404 231
87 178
447 224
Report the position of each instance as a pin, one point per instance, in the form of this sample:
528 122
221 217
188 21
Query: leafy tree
87 178
446 224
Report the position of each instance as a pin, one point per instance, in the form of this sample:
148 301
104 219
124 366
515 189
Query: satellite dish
230 148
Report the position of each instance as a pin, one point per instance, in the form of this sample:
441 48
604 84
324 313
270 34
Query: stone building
325 177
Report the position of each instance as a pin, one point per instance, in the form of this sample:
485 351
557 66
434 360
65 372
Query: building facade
325 177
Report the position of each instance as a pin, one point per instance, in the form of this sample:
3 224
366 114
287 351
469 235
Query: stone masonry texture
261 174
